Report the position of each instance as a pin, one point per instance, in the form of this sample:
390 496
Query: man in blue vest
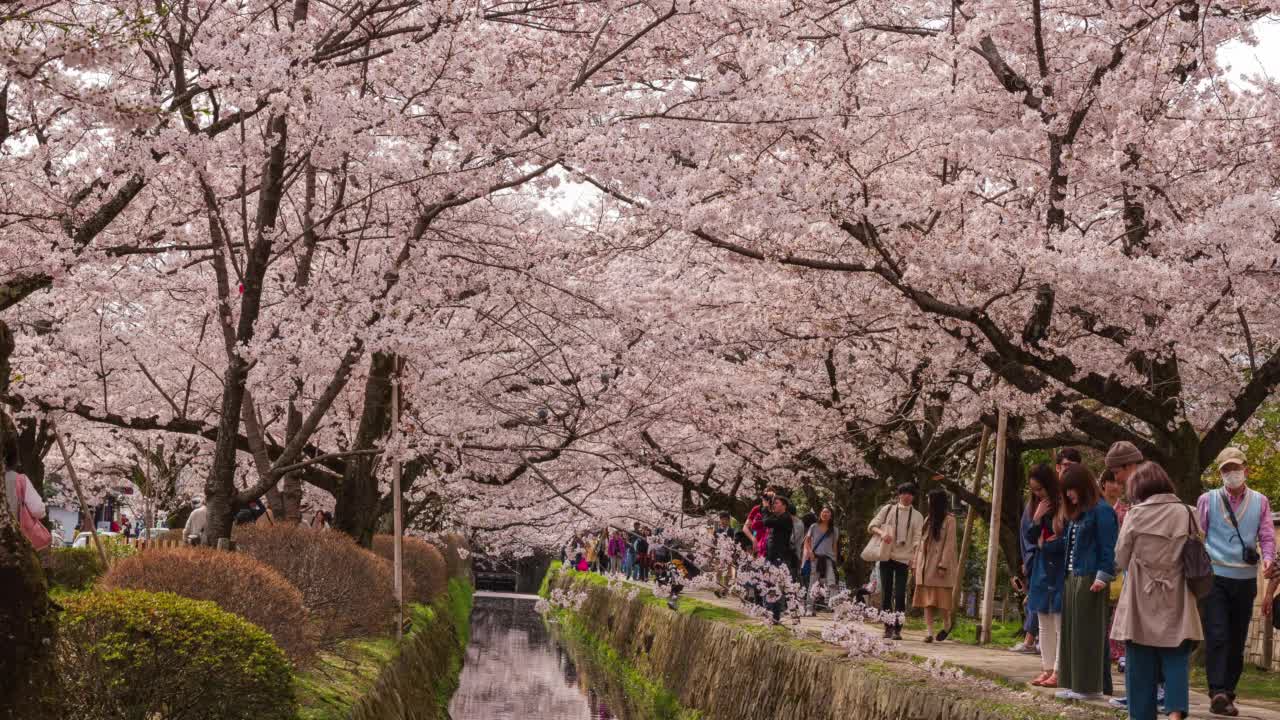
1238 535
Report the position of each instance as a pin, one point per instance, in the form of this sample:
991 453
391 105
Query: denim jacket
1048 569
1091 543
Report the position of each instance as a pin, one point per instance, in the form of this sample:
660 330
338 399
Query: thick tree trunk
26 618
857 502
291 495
34 442
358 503
1013 502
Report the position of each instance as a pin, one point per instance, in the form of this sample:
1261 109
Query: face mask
1233 479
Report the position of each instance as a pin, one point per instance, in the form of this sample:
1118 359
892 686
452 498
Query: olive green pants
1084 637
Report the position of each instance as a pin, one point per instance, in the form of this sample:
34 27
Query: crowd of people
1109 562
1111 579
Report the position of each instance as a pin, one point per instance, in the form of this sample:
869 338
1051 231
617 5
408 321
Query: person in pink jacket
616 548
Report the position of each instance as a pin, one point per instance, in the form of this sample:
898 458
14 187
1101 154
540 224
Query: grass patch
330 687
1003 634
544 590
1255 683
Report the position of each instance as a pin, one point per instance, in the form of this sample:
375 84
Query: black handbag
1196 565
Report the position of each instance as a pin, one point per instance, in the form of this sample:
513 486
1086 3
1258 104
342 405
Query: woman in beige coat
935 565
1156 617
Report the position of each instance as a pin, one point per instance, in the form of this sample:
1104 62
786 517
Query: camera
1251 556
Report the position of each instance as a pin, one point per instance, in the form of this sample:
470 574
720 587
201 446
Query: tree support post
84 506
970 519
993 541
397 502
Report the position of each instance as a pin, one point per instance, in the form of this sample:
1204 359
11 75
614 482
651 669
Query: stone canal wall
731 670
418 683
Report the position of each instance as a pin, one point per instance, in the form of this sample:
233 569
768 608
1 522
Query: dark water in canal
516 669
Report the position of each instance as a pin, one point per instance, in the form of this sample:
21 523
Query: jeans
1030 626
893 586
780 604
628 560
1144 666
1225 615
825 580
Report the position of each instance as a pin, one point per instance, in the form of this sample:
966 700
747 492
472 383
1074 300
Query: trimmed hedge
134 654
235 581
422 562
73 568
348 590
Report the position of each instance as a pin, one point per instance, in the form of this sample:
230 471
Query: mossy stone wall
729 671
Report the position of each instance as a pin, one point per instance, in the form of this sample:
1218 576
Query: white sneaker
1020 647
1118 702
1077 697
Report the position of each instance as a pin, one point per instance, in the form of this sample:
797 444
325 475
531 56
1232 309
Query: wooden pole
396 504
75 482
970 518
993 539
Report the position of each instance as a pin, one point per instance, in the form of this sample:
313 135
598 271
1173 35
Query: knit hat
1123 453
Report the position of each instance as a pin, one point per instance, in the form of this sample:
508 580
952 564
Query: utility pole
993 540
397 501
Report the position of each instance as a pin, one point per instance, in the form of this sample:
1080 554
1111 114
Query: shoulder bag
1196 565
876 550
37 534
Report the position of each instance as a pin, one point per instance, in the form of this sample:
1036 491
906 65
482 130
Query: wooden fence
168 540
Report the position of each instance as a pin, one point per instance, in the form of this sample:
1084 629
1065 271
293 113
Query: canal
517 669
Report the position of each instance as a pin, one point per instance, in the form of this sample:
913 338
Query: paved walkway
998 662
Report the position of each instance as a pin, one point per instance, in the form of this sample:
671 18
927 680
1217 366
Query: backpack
1197 567
37 534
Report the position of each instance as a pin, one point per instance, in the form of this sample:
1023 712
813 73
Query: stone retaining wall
730 671
419 681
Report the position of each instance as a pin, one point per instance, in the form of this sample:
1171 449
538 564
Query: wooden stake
75 482
980 466
396 504
993 540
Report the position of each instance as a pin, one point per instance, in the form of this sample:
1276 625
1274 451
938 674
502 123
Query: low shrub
73 568
237 582
347 589
134 654
422 562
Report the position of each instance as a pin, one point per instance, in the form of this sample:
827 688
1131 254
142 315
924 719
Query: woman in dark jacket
1048 568
1091 566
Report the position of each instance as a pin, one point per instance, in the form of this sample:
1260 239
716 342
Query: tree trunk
26 624
291 495
34 442
220 488
358 506
291 483
1012 500
857 503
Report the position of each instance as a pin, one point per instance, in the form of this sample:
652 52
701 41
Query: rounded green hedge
73 568
135 654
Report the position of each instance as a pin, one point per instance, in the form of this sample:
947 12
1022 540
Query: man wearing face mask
1238 535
